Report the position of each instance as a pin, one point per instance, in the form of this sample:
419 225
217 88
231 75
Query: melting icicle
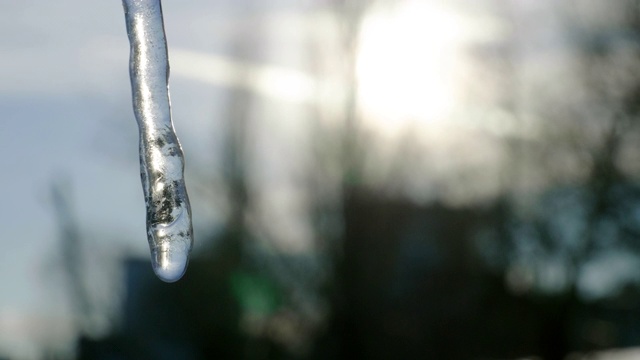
169 229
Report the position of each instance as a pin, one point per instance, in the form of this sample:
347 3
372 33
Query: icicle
169 229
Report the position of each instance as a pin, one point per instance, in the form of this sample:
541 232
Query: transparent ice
169 228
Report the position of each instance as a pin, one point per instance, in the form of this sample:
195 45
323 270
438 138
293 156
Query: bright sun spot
408 63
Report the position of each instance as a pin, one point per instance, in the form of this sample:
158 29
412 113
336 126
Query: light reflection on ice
169 228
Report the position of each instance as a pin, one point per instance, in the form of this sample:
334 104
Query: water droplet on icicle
169 228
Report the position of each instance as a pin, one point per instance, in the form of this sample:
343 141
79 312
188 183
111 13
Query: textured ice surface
169 229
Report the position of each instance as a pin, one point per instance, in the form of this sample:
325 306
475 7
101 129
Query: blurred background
370 179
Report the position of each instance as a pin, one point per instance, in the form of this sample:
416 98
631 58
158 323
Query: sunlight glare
407 63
